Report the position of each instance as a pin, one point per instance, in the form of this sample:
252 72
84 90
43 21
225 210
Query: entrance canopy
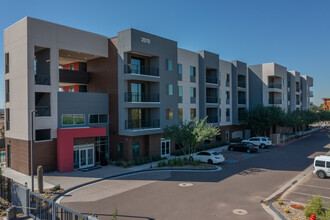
65 138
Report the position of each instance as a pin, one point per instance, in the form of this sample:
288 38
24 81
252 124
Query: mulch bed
190 167
294 213
51 193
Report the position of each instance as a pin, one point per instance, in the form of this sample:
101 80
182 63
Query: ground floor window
102 150
136 149
165 147
120 150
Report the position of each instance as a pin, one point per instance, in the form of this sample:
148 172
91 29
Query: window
169 65
43 135
192 113
328 164
192 92
284 96
42 104
227 79
283 81
192 71
120 150
180 91
180 112
170 89
319 163
179 68
7 119
42 65
136 149
7 90
169 114
227 114
78 119
97 118
7 63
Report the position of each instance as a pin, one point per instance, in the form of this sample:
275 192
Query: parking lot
309 187
235 156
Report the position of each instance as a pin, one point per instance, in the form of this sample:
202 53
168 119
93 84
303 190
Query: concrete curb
279 215
59 197
303 137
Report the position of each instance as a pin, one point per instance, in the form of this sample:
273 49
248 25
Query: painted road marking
306 194
321 187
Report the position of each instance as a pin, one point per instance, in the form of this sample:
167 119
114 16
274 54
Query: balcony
297 102
297 89
212 119
241 101
227 118
273 85
274 101
211 79
42 79
7 97
241 84
227 101
141 97
311 94
42 111
227 84
141 70
73 76
193 100
142 124
211 99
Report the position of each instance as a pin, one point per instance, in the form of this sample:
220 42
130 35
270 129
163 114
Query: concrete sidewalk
77 177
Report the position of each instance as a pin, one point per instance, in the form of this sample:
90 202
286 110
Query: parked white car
262 142
322 166
210 157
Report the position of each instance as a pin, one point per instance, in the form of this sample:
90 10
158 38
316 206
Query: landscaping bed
284 207
183 163
51 193
4 205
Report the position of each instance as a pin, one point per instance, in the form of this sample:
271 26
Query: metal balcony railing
211 79
227 83
227 101
241 101
311 94
297 102
297 89
211 99
273 85
241 84
42 79
212 119
142 124
141 97
141 70
42 111
274 101
227 118
7 97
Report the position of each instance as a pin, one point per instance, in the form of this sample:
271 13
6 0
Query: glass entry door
83 156
165 147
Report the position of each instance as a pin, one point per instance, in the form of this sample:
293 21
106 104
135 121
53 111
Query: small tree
187 135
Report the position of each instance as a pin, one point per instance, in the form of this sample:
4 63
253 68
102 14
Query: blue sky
294 33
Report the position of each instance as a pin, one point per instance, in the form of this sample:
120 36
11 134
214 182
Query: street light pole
32 176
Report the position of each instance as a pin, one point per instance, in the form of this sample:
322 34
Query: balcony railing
141 70
227 101
241 101
42 79
227 118
42 111
241 84
227 83
297 102
193 100
274 101
211 99
211 79
142 124
297 89
7 97
311 94
212 119
141 97
272 85
192 78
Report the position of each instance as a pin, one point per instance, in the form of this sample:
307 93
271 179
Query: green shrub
120 163
196 162
326 215
57 187
181 162
315 206
170 163
185 160
162 163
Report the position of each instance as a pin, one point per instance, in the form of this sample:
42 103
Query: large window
43 135
169 114
180 112
7 90
180 91
42 65
136 149
192 113
74 119
42 104
170 89
169 64
7 119
7 63
192 92
97 118
179 68
192 71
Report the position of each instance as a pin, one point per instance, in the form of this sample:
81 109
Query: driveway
239 185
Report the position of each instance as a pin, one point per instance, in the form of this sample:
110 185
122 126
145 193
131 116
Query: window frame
170 89
179 68
168 113
169 65
98 119
35 135
193 71
73 120
317 165
6 62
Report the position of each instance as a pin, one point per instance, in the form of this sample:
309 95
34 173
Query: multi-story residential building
274 85
93 99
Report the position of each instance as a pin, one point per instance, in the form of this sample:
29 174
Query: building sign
145 40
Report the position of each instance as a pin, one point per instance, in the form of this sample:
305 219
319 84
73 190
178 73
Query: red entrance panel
65 144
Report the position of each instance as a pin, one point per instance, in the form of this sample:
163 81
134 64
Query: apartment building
93 99
274 85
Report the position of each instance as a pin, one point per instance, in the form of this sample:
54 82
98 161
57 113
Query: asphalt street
241 184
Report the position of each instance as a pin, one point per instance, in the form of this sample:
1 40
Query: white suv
322 166
262 142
